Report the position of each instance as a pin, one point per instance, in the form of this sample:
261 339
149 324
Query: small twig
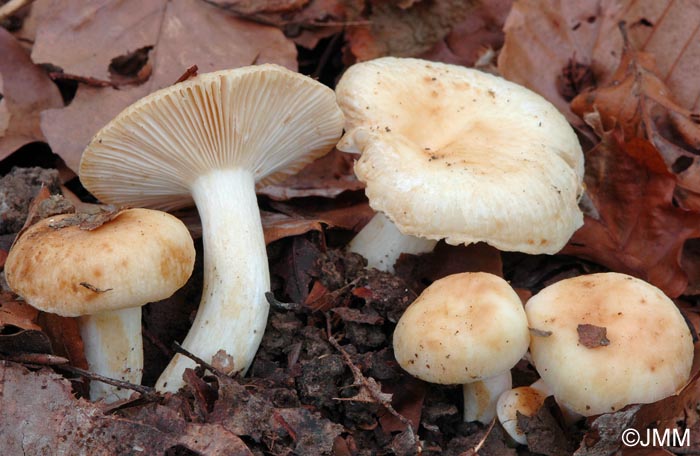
372 389
293 306
94 288
189 73
40 359
477 448
11 7
145 391
156 342
325 56
87 80
179 349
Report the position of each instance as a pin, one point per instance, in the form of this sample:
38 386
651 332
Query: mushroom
607 340
103 276
211 139
454 153
525 400
469 329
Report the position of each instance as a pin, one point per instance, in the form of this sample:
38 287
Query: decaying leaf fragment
24 91
592 336
170 35
636 168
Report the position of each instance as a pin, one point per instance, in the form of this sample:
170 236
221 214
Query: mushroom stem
233 311
480 397
381 243
113 348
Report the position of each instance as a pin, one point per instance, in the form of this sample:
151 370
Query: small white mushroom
468 329
525 400
452 153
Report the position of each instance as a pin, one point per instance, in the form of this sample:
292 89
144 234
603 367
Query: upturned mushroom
103 276
524 400
453 153
211 139
469 329
607 340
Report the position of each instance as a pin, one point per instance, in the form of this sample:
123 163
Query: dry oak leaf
640 109
544 36
25 91
475 37
77 427
404 30
639 231
177 34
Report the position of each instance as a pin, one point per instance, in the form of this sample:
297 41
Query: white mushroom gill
211 140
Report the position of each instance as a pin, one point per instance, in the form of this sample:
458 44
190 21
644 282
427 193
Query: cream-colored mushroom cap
645 352
524 400
139 257
463 328
266 119
455 153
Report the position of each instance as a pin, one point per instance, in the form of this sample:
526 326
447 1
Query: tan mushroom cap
264 118
650 350
463 328
139 257
455 153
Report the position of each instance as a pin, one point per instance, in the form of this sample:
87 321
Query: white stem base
233 312
114 349
381 243
480 398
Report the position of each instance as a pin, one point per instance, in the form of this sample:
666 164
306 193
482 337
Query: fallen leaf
586 33
16 314
543 431
174 31
592 336
404 31
479 34
26 91
88 221
64 334
327 177
554 32
77 427
277 226
645 239
419 271
312 433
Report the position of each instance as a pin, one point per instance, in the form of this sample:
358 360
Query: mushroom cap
264 118
463 328
525 400
454 153
140 256
650 350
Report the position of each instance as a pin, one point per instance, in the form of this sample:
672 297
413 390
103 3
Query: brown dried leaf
277 226
16 314
473 40
64 334
646 238
25 91
543 431
77 427
418 271
328 177
88 221
76 40
405 32
553 32
592 336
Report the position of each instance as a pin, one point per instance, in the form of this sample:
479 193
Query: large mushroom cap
139 257
455 153
264 118
647 356
463 328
